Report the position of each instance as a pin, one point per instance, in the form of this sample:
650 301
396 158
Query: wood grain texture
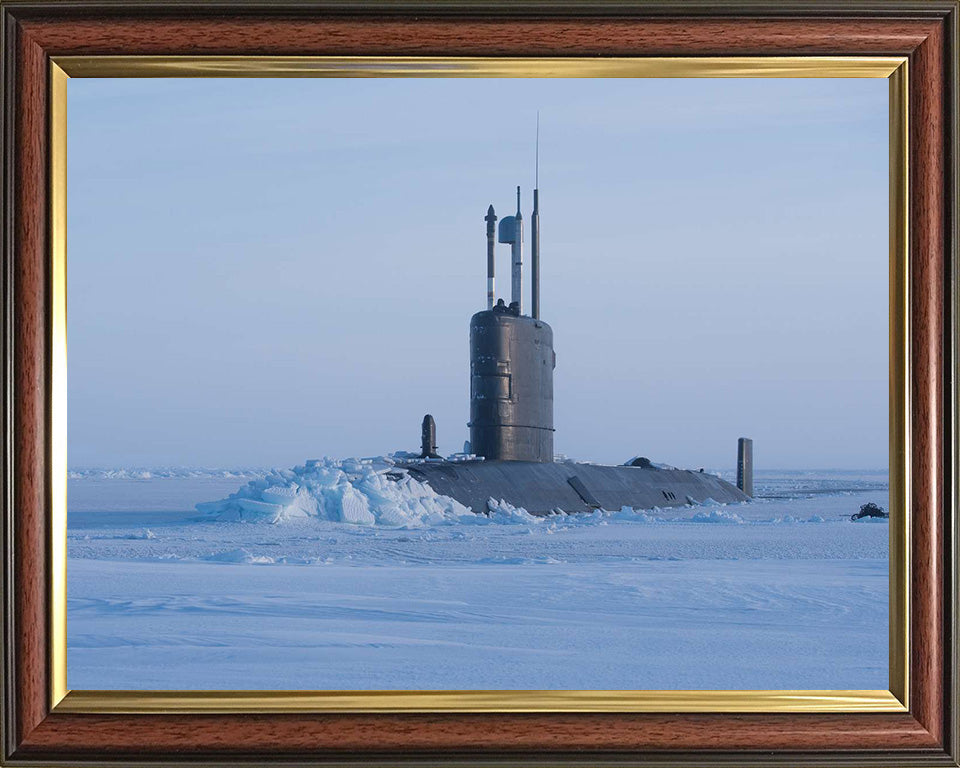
927 352
918 735
489 37
29 372
338 734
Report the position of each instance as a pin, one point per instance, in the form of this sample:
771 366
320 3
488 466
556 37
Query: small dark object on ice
869 510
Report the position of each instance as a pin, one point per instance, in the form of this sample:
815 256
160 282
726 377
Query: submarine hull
542 488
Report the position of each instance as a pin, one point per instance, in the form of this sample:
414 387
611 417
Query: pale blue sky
265 271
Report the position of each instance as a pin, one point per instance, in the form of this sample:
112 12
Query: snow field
337 577
644 625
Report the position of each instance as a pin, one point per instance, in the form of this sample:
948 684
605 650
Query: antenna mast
516 250
535 235
491 219
536 174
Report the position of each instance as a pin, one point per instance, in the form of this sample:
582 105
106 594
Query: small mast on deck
491 219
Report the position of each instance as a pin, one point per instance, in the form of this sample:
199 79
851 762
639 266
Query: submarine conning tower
512 358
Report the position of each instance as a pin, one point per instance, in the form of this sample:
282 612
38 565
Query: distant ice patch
633 515
717 516
163 473
239 556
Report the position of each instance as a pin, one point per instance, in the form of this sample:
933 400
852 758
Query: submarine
510 454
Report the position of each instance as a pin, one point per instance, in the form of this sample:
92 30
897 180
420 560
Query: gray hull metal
511 387
543 487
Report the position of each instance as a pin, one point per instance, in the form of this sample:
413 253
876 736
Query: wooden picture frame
41 727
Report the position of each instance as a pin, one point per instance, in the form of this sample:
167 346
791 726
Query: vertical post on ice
745 465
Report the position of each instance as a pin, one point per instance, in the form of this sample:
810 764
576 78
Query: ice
239 556
717 516
333 575
503 512
282 495
157 473
632 515
260 507
504 622
355 491
353 505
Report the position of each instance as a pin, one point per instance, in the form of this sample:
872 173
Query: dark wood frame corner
925 32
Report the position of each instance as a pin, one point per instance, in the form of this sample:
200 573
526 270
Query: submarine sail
511 369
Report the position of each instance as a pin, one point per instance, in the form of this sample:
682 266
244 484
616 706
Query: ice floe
367 491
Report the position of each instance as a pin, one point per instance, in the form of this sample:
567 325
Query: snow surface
332 575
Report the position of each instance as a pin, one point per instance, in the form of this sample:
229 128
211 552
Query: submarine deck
542 488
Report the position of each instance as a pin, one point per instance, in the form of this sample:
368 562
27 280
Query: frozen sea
784 592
